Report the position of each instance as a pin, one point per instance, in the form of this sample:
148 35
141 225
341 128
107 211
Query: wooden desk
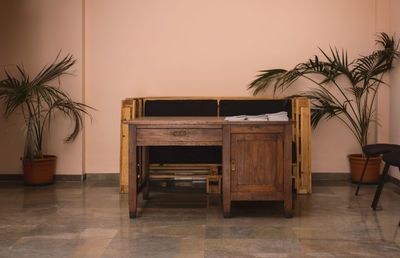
256 155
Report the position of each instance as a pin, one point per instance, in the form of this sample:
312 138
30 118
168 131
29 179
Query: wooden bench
205 162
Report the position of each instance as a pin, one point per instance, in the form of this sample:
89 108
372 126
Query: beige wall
210 48
382 23
33 32
178 48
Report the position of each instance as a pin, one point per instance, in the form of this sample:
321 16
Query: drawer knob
179 133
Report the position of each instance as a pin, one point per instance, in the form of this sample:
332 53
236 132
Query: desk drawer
179 136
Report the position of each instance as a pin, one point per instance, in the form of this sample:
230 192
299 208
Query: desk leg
146 172
132 194
226 171
288 209
287 198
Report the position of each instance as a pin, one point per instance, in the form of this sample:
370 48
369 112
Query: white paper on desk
236 118
262 117
279 116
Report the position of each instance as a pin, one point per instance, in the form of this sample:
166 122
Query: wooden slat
212 98
204 121
127 111
160 137
180 171
185 165
140 107
306 149
183 171
211 188
180 176
294 138
303 143
210 179
297 141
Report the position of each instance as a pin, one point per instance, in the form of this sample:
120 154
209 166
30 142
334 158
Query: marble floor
90 219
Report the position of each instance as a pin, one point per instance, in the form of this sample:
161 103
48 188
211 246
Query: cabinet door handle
179 133
233 165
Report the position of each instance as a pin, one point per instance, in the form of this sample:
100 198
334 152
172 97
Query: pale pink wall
33 32
210 48
382 23
395 84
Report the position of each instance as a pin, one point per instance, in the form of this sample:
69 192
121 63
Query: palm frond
54 70
353 104
72 110
39 100
264 79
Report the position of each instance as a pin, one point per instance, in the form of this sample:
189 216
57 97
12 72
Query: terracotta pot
371 175
42 171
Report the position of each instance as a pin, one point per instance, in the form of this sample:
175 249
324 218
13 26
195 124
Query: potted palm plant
352 101
39 102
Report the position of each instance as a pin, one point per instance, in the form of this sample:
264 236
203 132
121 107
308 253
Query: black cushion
185 107
231 107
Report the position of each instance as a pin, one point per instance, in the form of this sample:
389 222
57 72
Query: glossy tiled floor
71 219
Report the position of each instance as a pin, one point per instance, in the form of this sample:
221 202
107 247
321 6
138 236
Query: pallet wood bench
188 162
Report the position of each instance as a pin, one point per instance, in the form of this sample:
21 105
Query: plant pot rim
360 156
46 157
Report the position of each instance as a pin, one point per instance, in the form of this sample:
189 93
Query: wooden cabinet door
257 162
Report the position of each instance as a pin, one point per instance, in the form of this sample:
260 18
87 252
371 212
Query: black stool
391 159
375 150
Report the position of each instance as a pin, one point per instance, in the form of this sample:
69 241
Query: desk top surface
193 120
